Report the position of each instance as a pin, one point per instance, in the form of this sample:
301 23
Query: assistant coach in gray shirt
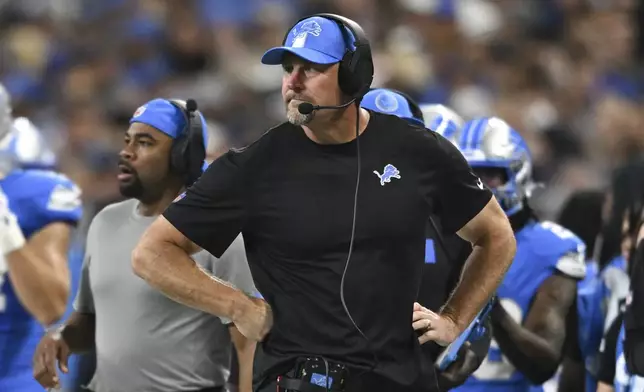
145 341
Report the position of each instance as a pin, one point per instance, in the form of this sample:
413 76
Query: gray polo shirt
144 340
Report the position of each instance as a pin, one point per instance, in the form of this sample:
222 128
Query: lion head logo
309 27
386 102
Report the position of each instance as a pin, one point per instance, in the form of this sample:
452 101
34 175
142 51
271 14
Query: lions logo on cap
386 102
139 111
308 27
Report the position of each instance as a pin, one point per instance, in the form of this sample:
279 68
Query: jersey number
496 366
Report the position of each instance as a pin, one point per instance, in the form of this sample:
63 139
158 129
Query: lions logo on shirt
390 171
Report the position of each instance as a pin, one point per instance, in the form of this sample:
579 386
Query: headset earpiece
188 149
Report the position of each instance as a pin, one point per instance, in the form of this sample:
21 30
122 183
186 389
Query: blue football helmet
490 143
394 102
26 147
443 120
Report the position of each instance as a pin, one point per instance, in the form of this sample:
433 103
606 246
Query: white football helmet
443 120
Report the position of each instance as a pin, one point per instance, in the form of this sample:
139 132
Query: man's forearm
80 332
482 274
170 270
573 374
40 290
245 349
528 352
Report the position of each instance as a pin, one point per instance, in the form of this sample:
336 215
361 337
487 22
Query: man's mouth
125 173
297 100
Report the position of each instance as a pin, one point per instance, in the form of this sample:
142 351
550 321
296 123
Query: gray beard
297 118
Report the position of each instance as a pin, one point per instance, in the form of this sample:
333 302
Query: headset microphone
307 108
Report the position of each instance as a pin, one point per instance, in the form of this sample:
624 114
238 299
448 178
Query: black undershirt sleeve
607 356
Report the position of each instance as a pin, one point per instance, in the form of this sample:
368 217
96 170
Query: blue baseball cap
159 113
315 39
385 101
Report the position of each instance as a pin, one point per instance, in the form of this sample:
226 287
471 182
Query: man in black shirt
338 261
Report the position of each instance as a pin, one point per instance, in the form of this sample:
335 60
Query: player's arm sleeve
212 212
607 352
60 201
450 186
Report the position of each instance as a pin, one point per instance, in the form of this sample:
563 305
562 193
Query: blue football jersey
37 198
624 381
542 249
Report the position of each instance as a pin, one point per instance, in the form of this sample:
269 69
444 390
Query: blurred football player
28 147
584 214
613 372
442 120
38 210
539 290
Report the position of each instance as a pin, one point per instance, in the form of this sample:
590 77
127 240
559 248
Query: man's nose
295 79
126 152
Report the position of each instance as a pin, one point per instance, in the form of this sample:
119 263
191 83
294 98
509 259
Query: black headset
188 149
356 67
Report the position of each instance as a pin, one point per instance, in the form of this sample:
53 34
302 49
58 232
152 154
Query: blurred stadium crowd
567 74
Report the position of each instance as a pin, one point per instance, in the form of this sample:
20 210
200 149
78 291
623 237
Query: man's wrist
450 312
240 305
55 331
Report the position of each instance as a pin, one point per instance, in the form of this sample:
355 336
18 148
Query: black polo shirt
292 199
